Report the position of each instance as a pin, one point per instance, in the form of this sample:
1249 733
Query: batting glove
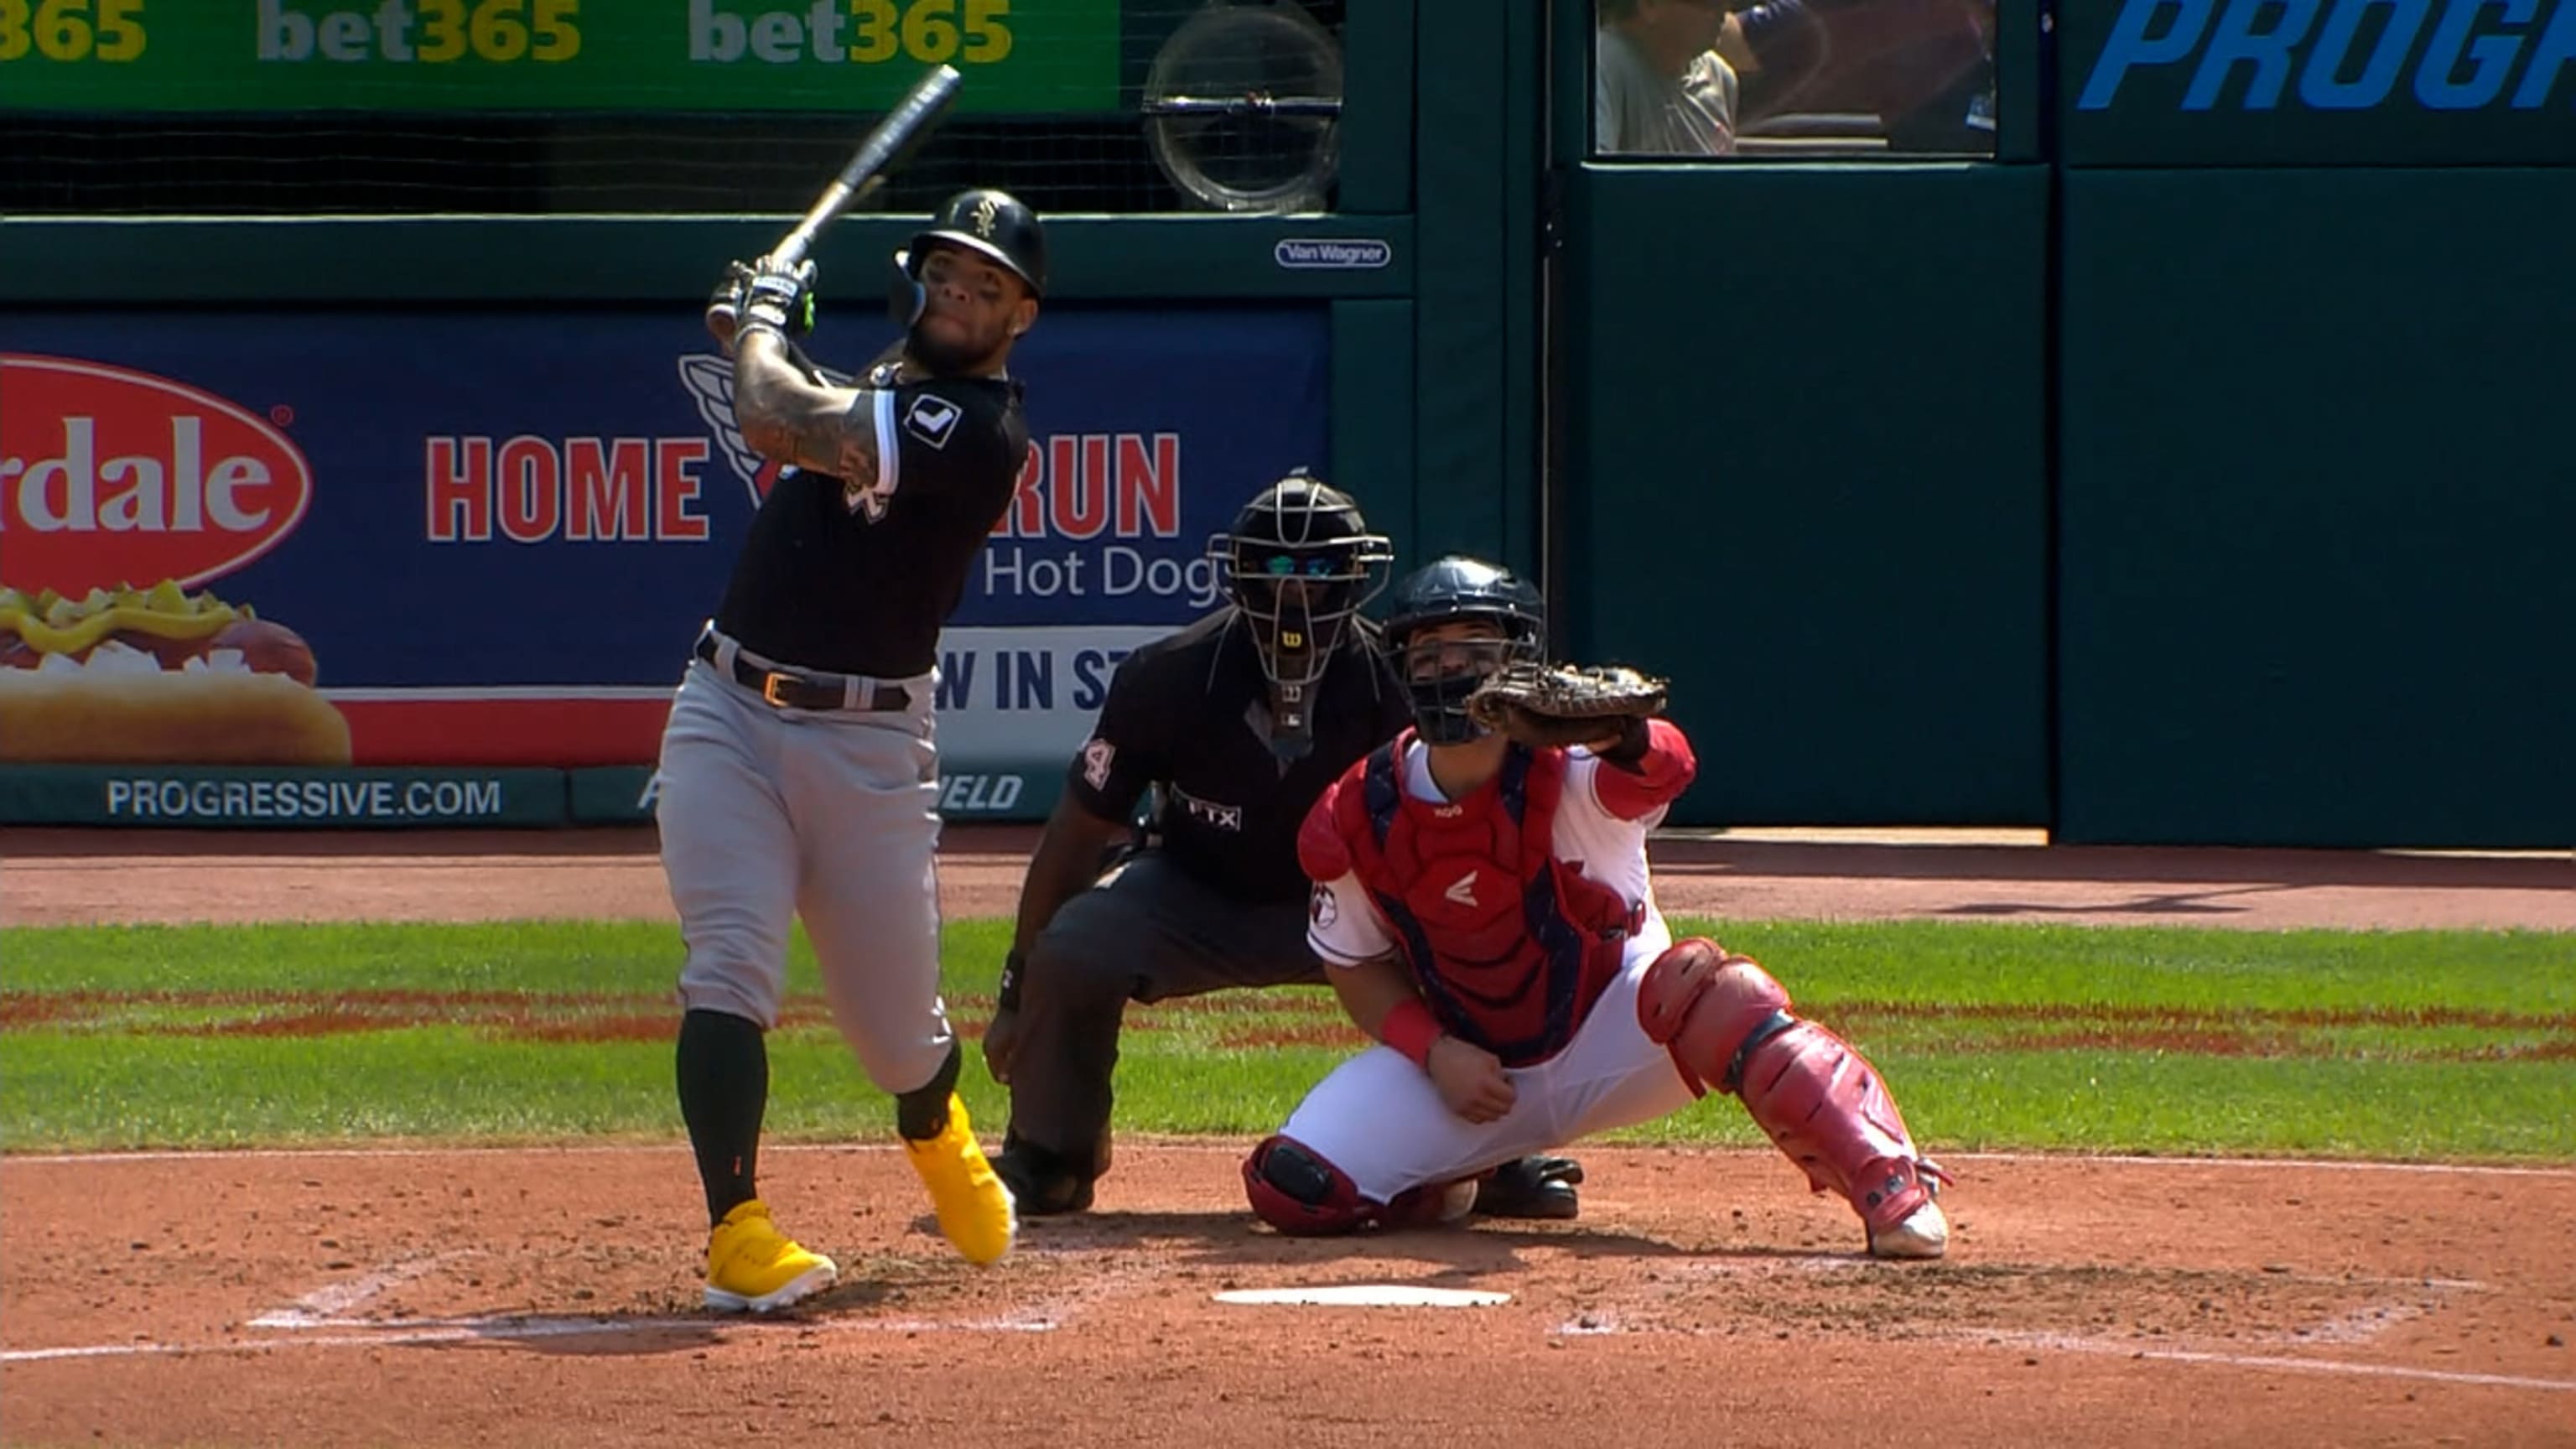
781 296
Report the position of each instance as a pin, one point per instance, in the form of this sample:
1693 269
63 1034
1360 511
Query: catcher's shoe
1041 1186
1925 1233
1531 1187
753 1267
975 1209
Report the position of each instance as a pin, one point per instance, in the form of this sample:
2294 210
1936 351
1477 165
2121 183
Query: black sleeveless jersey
860 580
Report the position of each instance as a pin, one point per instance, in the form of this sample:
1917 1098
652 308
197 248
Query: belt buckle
769 687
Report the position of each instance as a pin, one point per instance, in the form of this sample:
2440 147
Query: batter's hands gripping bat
886 147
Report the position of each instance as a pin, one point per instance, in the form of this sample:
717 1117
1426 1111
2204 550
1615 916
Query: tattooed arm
789 416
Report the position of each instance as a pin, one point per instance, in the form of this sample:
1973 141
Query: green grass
2417 1045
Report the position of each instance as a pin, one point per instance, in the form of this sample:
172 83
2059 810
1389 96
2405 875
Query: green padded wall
1809 480
1478 127
1372 421
2319 508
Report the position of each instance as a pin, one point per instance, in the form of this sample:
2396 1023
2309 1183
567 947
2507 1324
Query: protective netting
302 107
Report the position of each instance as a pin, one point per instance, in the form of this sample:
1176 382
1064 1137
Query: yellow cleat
975 1209
753 1267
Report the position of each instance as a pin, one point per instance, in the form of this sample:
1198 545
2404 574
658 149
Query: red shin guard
1727 1023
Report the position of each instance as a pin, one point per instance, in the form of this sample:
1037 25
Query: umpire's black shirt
859 581
1191 712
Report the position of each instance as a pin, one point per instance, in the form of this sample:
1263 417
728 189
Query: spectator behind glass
1671 74
1925 68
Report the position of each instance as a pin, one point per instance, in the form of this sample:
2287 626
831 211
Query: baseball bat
885 148
893 139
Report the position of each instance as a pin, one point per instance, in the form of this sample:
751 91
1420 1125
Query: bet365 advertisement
1051 57
283 543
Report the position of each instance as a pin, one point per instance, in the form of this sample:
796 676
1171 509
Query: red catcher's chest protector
1509 945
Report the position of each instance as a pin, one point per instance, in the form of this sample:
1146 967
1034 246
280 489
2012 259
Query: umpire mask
1439 673
1297 565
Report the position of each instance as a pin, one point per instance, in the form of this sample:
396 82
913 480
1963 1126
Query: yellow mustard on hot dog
53 624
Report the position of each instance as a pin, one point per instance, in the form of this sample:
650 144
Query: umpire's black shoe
1041 1185
1531 1187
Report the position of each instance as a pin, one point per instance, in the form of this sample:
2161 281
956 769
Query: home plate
1367 1295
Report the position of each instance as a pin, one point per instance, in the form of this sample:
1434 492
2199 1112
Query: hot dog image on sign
123 496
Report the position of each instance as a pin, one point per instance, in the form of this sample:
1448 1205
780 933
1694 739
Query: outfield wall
2190 471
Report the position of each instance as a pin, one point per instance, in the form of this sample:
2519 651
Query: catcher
1482 899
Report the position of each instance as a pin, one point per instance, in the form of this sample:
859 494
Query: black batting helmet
994 223
1438 676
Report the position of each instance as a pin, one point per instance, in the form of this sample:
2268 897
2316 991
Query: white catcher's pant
1380 1120
770 814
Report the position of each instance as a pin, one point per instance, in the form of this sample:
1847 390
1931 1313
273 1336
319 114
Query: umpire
1234 725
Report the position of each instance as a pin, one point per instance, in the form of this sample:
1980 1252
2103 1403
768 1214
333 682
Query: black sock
922 1113
724 1089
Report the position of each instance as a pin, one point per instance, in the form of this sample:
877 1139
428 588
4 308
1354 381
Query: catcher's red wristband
1411 1029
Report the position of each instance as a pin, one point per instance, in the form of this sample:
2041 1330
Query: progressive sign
2333 82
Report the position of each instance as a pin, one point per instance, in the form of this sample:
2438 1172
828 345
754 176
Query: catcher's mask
1297 565
993 223
1441 668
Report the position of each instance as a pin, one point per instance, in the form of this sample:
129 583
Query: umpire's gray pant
1148 932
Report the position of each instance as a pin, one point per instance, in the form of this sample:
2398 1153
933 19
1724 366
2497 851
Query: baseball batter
1488 915
799 773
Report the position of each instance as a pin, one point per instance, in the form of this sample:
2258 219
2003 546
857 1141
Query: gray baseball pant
770 814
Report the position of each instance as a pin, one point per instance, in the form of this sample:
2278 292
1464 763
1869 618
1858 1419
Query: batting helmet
1299 562
994 223
1439 676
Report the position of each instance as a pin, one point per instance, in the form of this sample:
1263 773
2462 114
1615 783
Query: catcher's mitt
1565 704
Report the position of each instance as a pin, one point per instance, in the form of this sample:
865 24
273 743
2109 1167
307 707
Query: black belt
787 689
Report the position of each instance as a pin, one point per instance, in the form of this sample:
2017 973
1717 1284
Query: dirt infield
546 1296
